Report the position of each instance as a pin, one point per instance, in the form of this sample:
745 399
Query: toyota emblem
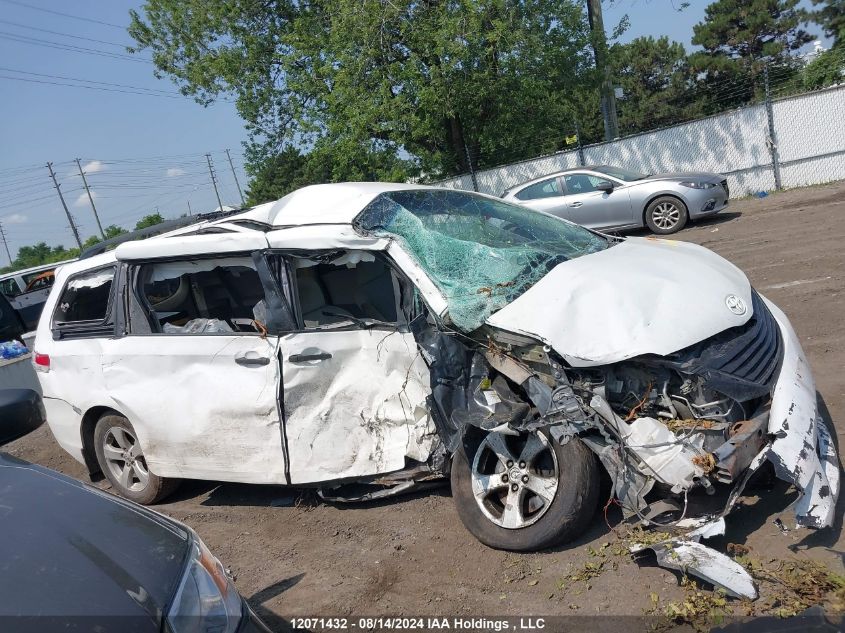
736 305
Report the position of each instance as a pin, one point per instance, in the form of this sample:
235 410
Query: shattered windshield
480 252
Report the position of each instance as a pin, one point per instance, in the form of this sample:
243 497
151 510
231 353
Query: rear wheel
527 492
665 215
122 462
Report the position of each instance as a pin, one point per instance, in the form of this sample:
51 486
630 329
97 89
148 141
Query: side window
39 281
86 298
582 183
353 289
203 296
544 189
9 287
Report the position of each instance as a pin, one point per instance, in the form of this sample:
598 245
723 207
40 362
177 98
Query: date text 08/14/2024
419 623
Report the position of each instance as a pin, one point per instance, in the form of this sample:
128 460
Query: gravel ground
292 556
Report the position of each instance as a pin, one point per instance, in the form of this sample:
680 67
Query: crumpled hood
642 296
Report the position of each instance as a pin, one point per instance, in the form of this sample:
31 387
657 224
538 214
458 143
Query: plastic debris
12 349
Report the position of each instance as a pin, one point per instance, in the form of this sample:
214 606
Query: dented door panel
204 407
354 403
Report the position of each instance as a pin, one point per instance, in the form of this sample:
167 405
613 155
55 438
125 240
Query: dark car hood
70 551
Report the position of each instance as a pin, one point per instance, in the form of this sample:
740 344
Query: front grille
741 362
725 187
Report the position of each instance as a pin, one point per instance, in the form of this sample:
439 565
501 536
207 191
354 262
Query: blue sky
141 153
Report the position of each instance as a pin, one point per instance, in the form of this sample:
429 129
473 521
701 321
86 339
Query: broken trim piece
691 557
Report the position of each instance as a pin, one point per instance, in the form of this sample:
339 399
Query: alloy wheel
125 459
515 478
666 215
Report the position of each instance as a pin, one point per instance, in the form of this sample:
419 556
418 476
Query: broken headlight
206 600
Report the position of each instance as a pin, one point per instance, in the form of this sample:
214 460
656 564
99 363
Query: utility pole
243 203
189 208
67 212
608 97
3 235
90 199
771 137
214 181
471 168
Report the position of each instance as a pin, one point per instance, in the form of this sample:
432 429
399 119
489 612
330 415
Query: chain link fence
789 142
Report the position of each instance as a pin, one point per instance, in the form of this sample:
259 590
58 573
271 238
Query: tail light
42 361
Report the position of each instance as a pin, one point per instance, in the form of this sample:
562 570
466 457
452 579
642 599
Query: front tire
525 493
122 462
666 215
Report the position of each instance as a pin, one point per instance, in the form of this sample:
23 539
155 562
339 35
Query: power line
63 46
76 37
91 81
64 15
103 89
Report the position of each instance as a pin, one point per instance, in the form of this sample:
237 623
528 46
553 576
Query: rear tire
666 215
517 519
122 461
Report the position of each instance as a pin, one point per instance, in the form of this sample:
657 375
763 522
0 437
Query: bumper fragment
802 451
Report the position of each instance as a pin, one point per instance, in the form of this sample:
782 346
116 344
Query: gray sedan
604 197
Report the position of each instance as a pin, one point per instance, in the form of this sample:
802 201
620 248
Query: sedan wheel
123 463
666 215
525 492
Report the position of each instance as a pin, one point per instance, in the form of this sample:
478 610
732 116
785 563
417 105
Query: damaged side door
354 382
196 372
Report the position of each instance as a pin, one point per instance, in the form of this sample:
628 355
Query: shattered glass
481 253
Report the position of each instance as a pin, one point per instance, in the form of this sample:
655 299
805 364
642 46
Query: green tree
831 17
149 220
739 38
656 79
110 231
825 69
492 79
290 169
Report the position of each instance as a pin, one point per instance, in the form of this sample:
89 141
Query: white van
391 334
27 290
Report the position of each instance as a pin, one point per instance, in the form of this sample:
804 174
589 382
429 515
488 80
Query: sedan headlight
206 601
694 184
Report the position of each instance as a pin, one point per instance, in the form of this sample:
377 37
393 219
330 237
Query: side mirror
605 186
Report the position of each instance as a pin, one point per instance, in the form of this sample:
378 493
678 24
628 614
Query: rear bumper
803 451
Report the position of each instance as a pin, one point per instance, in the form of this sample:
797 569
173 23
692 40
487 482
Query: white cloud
91 167
173 172
15 218
82 199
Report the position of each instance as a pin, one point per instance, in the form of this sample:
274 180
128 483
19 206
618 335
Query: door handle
575 204
301 358
251 359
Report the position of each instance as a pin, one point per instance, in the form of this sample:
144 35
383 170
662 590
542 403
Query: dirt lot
412 556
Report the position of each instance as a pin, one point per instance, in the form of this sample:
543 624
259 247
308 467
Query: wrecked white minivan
392 334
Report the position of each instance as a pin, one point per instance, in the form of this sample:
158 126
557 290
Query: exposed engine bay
666 429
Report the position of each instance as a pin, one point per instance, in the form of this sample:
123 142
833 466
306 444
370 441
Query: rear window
85 298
